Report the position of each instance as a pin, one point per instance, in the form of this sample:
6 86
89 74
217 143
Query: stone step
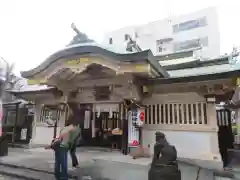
22 173
29 173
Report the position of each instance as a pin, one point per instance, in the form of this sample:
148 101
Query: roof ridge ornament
79 38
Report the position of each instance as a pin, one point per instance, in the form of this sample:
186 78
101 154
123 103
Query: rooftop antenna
233 58
132 45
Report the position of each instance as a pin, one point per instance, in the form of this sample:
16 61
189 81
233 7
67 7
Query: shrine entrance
100 124
106 125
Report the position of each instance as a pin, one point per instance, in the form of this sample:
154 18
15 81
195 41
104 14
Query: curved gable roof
90 48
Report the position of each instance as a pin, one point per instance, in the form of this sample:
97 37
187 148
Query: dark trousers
227 157
61 163
73 156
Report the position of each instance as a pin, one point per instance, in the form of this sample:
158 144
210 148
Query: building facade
98 82
198 30
174 97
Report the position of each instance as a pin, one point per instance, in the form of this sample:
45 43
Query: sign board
141 67
102 93
78 61
36 81
24 134
87 119
133 132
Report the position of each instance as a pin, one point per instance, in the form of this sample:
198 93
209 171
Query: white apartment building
174 34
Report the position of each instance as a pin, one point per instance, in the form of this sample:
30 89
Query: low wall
44 135
189 144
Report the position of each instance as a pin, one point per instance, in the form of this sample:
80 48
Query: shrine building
175 94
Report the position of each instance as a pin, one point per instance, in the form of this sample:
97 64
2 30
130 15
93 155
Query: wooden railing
176 113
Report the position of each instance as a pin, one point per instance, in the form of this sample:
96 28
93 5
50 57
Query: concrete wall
188 143
195 141
149 33
44 135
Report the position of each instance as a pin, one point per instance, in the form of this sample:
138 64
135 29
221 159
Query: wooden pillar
65 114
124 117
237 111
37 116
211 112
93 121
212 122
56 123
15 125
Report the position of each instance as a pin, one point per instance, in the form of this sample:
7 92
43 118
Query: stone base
166 173
140 152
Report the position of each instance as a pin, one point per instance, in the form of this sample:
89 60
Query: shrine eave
198 63
196 78
90 49
39 91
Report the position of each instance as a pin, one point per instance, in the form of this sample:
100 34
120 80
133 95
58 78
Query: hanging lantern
142 116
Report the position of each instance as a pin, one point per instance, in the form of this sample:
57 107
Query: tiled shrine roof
93 48
176 66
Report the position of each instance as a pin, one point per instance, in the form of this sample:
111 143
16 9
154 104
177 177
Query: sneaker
228 168
76 167
71 168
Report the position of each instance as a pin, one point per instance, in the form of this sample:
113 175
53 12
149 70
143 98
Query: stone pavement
97 164
42 160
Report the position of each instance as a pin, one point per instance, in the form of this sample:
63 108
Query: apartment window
189 44
204 41
162 45
159 42
192 24
160 49
175 28
125 37
110 40
136 35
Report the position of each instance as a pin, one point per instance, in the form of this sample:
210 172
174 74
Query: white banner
133 132
87 120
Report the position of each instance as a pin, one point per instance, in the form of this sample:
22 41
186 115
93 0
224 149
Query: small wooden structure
17 122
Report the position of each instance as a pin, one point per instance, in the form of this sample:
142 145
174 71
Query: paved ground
8 178
40 159
97 164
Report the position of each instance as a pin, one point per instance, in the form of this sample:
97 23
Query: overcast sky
30 30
